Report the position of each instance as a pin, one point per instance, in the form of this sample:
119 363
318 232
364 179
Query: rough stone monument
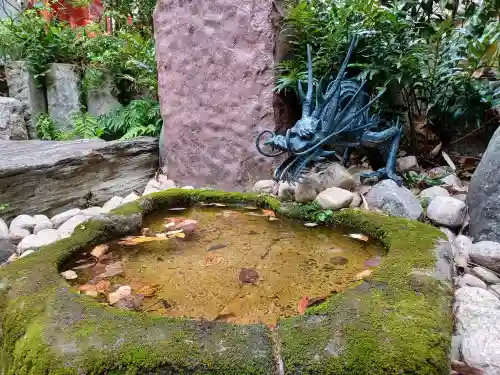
22 86
215 78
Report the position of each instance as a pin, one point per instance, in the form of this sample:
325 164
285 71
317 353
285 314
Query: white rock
481 349
334 198
42 225
475 309
24 222
335 175
471 280
189 187
407 163
41 218
461 197
495 289
69 275
152 186
453 181
58 219
112 204
264 186
450 235
26 253
433 192
356 200
67 228
487 254
93 211
462 246
486 275
130 198
447 211
167 184
4 229
19 232
286 191
35 241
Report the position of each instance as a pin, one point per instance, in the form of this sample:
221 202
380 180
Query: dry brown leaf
211 259
251 208
99 250
448 160
435 151
148 290
134 240
359 236
269 213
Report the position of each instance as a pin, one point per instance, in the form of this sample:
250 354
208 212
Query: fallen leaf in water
359 236
170 225
304 301
219 204
216 247
175 233
131 241
148 290
177 209
363 274
316 301
211 259
84 266
271 218
103 286
248 276
112 269
99 251
255 214
269 213
373 262
121 292
129 302
338 261
310 225
165 304
250 208
205 204
161 235
69 275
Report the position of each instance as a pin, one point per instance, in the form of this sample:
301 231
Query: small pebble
69 275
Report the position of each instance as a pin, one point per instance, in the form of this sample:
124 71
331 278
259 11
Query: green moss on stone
391 324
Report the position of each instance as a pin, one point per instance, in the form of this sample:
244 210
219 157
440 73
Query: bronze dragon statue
338 117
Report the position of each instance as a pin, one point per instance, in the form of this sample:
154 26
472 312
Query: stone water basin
236 264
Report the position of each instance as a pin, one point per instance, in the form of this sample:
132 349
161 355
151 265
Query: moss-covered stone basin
398 321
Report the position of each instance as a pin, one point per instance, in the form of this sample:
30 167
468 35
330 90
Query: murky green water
235 265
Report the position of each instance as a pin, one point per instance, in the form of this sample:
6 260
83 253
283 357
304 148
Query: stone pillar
22 86
12 125
63 94
216 79
100 100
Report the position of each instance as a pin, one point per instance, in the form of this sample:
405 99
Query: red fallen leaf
303 303
269 213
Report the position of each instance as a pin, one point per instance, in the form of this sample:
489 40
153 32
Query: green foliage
422 181
86 126
46 128
3 206
425 52
138 118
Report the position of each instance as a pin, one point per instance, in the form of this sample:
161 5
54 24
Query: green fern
46 129
86 126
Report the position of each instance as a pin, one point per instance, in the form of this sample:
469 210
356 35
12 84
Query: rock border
49 328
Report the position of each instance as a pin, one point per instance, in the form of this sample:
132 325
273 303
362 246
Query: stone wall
215 71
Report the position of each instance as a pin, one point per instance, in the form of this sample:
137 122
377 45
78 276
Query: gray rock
460 197
59 219
356 171
23 87
286 191
264 186
12 125
462 246
481 349
394 200
334 175
4 229
495 289
356 200
453 181
487 254
334 198
486 275
433 192
306 190
100 100
407 163
483 197
130 198
456 343
475 309
449 234
447 211
23 221
18 232
43 225
63 94
7 248
113 203
471 280
72 174
67 228
35 241
93 211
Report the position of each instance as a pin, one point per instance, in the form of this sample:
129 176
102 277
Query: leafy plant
138 118
46 128
422 181
3 206
86 126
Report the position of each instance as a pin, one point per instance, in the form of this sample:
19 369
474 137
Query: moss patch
394 323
